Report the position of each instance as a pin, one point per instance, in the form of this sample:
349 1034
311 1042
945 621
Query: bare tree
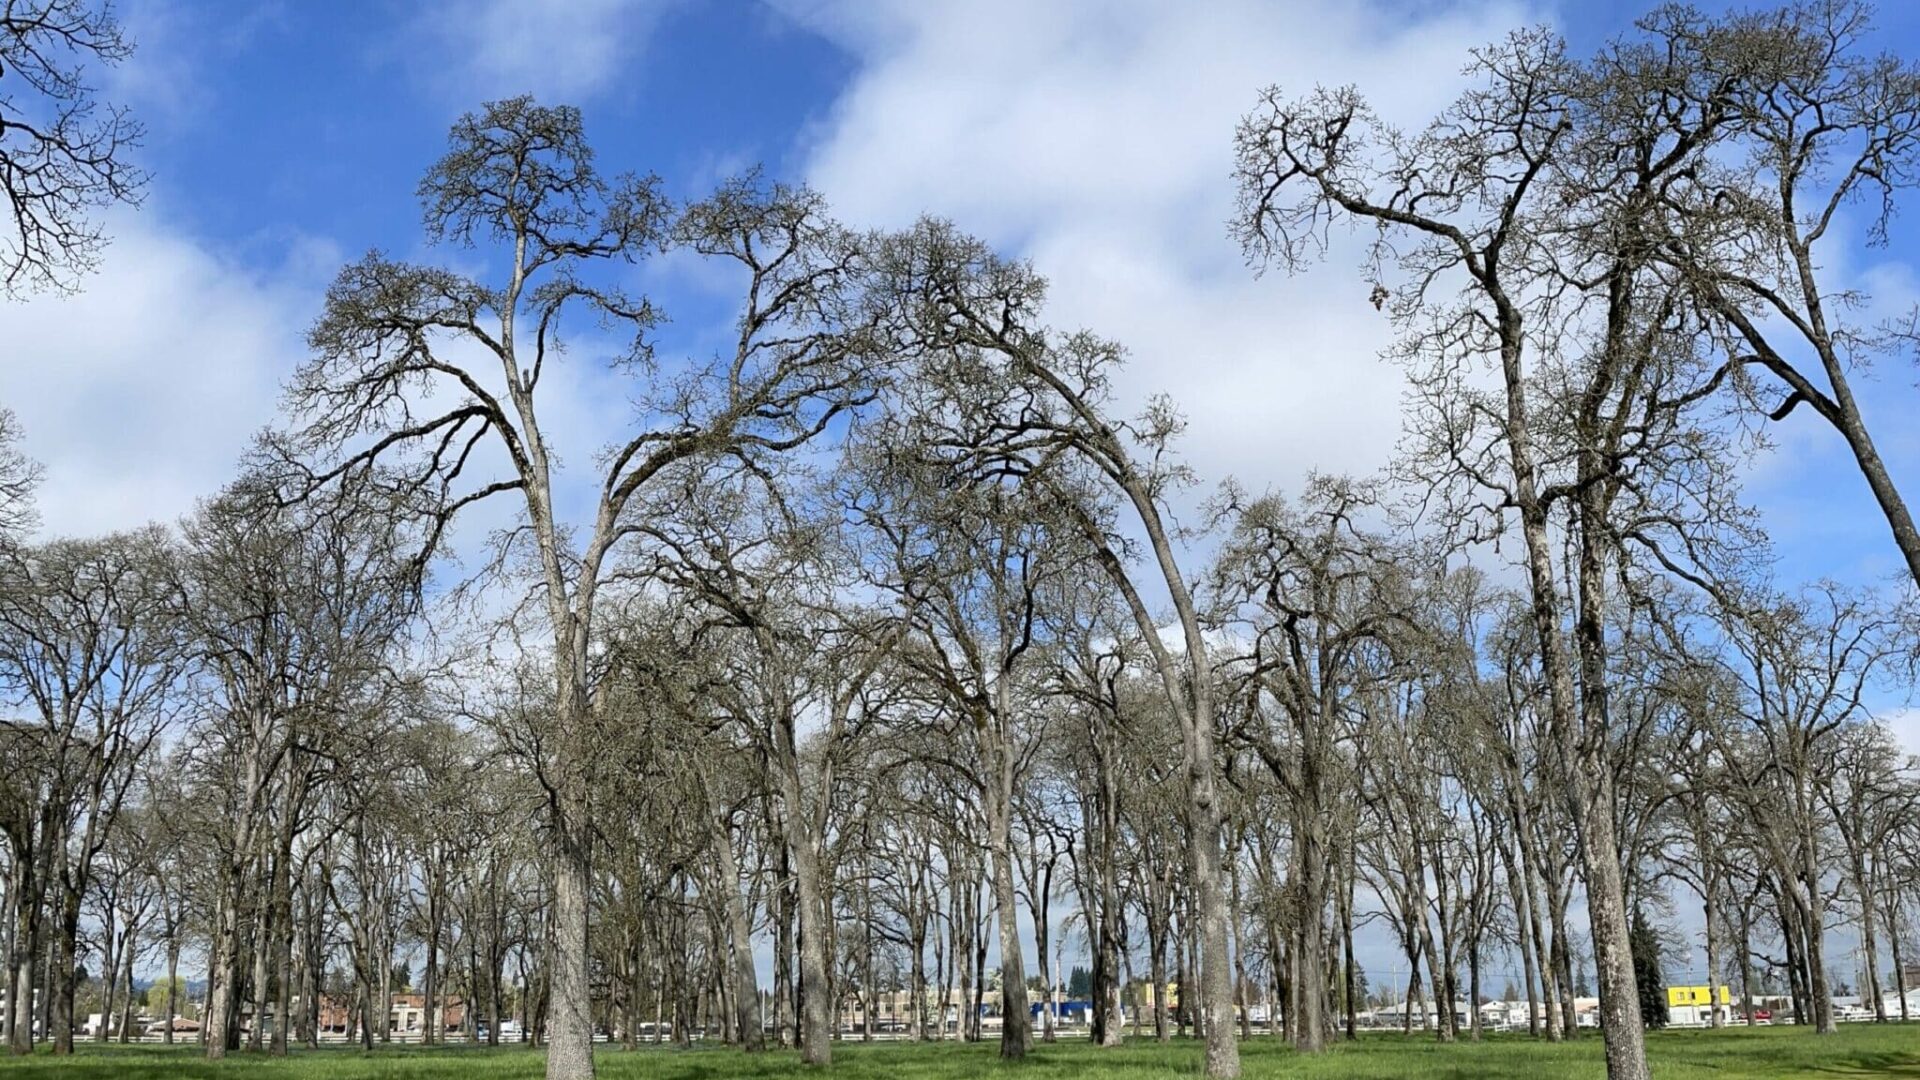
1870 798
760 577
1515 229
90 639
1813 124
1804 665
19 476
1314 595
974 569
62 154
1091 668
689 763
520 177
296 615
1010 398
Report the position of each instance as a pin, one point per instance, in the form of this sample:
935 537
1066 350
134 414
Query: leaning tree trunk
1187 682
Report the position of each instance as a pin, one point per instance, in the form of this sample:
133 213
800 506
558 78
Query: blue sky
1089 136
1093 137
316 120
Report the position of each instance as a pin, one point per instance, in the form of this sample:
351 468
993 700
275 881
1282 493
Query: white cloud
557 50
140 392
1095 138
1905 725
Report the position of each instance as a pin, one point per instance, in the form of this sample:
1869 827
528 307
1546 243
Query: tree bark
1016 1022
746 987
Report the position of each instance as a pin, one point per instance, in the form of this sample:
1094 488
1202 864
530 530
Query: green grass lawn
1859 1050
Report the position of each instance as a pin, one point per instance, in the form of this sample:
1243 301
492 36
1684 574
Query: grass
1859 1050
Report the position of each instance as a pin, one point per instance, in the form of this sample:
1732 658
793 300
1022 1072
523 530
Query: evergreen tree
1079 984
1646 971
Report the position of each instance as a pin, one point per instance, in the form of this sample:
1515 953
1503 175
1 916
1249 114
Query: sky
1090 136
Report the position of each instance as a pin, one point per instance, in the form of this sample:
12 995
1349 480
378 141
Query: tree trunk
9 937
1816 952
1016 1024
1050 1001
570 1016
917 972
217 1029
1240 952
66 934
1621 1026
1523 931
781 906
979 978
1746 963
1352 975
126 1003
1796 961
262 945
1899 960
109 976
1157 965
282 945
173 982
1107 936
1711 910
1869 939
746 987
1310 887
1216 971
816 1015
24 952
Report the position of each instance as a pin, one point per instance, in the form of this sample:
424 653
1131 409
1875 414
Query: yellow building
1696 1006
1696 995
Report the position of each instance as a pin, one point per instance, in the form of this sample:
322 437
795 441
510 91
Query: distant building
406 1016
893 1012
1697 1006
1509 1015
1068 1012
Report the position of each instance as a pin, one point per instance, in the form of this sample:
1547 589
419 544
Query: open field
1764 1054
